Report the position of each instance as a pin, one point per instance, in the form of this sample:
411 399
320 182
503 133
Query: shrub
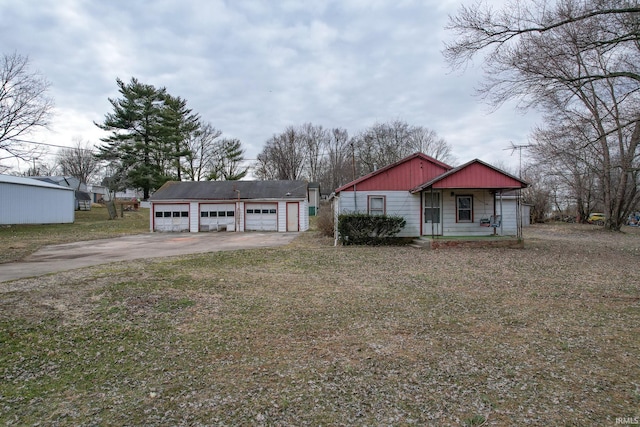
364 229
324 222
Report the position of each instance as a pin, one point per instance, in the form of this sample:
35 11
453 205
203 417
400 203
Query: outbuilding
202 206
29 201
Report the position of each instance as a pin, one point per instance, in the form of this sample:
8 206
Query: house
83 198
314 198
30 201
231 206
436 199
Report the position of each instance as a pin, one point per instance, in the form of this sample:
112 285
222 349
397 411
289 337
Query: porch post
501 215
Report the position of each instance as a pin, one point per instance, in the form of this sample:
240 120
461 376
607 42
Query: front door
432 213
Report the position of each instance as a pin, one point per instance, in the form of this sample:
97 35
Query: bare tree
386 143
283 156
78 161
337 166
569 55
24 105
427 141
202 150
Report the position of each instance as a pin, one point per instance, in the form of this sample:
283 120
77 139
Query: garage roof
230 190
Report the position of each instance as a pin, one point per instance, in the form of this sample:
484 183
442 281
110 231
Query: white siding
482 208
397 203
304 215
282 216
36 204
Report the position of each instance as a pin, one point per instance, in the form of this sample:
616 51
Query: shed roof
19 180
230 190
474 174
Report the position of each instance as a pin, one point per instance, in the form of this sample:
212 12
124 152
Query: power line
46 144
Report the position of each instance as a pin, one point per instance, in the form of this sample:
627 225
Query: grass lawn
311 334
19 241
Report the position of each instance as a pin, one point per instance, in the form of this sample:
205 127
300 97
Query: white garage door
213 216
261 216
171 217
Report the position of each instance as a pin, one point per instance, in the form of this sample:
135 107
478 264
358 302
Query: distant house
231 206
82 196
314 198
436 199
30 201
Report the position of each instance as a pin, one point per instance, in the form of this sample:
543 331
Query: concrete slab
69 256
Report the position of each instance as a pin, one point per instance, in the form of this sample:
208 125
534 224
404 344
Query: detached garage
29 201
204 206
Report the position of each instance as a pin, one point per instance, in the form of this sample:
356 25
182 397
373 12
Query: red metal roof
474 174
404 174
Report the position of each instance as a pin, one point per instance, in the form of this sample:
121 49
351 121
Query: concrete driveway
70 256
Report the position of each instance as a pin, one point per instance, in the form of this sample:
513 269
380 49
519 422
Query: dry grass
310 334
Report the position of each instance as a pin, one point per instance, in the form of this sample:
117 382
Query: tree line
331 157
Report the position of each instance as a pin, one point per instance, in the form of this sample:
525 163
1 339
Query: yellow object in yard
596 218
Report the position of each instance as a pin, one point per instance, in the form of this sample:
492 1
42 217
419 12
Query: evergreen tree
148 128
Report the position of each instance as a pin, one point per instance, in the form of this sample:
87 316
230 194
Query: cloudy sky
254 67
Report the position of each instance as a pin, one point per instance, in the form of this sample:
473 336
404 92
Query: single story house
231 206
30 201
436 199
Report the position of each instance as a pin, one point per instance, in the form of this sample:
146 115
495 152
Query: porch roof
475 174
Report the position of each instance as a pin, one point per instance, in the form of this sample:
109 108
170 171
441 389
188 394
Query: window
158 214
204 214
167 214
213 214
272 211
176 214
230 213
222 213
376 205
184 214
250 211
265 211
464 208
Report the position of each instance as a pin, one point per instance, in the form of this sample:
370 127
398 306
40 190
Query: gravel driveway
56 258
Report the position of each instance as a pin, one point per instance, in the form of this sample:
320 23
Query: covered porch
469 201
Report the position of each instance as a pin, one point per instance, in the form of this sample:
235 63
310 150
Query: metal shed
29 201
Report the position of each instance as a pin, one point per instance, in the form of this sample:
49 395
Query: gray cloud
252 67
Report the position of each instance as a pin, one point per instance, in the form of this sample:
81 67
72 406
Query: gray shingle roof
226 190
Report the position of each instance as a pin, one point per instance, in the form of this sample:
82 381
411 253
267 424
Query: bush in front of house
364 229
